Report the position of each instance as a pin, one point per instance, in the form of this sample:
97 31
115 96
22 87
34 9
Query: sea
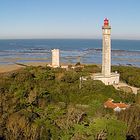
86 51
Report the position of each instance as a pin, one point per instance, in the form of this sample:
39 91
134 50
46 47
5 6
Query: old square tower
106 76
55 58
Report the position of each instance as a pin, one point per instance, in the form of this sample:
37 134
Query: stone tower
106 48
55 58
107 77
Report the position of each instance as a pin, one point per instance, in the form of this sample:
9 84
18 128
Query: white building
106 76
55 58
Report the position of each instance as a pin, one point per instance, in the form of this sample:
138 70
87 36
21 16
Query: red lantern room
106 22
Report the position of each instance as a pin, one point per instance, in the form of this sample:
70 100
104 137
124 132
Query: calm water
124 52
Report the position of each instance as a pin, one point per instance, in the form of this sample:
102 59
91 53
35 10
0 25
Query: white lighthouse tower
55 58
106 76
106 49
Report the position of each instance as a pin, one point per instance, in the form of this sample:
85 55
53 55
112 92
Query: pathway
121 84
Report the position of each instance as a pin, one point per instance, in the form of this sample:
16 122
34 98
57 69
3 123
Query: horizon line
66 38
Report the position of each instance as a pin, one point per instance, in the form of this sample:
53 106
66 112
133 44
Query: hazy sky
68 18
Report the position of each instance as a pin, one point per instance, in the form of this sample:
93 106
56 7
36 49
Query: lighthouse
106 76
106 48
55 58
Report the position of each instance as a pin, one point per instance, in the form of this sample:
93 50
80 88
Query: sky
68 18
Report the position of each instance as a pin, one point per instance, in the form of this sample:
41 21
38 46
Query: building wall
113 79
55 58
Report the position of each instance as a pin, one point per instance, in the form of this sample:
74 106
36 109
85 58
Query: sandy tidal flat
12 67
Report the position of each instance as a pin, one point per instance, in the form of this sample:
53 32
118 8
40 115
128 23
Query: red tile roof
110 104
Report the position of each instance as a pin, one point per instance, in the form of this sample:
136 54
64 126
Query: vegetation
42 103
131 75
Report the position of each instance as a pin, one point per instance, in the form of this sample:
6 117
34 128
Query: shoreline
16 66
4 68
